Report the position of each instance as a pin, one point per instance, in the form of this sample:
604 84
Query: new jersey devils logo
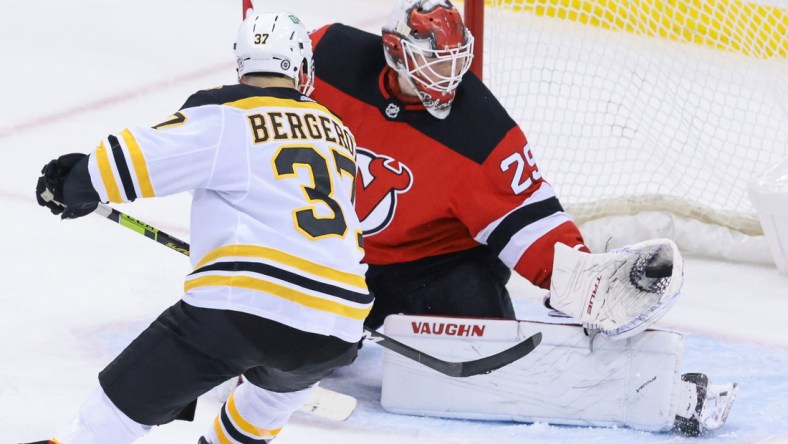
380 179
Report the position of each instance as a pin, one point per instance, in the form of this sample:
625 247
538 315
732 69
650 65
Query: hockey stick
142 228
460 369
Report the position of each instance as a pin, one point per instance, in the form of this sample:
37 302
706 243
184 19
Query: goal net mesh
652 105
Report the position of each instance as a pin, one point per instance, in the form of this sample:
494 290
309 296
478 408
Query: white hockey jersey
273 228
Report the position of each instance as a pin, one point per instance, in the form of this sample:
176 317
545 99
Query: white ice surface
75 292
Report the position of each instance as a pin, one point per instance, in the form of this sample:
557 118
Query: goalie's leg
464 283
703 407
635 382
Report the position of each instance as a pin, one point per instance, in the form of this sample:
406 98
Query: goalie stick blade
461 369
498 360
329 404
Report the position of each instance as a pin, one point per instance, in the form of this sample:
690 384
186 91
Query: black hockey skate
703 407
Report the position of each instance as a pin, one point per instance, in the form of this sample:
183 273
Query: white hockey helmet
275 43
426 42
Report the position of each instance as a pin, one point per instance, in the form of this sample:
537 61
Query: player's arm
619 293
173 156
513 210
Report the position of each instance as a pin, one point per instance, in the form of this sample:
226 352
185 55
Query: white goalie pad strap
634 382
619 293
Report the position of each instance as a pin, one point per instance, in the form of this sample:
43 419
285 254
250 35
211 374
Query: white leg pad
100 422
633 382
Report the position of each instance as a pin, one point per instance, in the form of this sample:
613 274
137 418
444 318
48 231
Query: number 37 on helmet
275 43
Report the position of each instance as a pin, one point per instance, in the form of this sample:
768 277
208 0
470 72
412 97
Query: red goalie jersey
426 186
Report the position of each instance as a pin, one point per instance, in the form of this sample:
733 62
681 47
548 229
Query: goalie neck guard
427 44
275 43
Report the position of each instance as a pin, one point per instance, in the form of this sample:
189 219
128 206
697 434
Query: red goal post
474 20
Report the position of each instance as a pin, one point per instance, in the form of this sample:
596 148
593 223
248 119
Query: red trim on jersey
316 35
488 195
536 264
425 186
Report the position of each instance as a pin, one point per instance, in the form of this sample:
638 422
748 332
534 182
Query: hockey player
449 194
277 293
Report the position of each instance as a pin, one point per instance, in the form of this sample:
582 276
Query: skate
703 407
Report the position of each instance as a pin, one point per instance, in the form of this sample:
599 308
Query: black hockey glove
49 189
46 198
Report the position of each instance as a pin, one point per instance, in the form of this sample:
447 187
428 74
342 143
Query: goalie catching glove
619 293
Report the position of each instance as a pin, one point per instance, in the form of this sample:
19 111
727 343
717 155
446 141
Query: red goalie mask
426 42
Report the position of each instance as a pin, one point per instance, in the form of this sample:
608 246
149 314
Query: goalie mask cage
633 107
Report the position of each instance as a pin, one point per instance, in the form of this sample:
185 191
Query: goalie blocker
636 382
